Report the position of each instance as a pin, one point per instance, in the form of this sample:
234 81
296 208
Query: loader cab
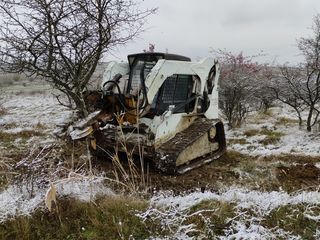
175 90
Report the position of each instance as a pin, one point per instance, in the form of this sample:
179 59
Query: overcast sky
192 28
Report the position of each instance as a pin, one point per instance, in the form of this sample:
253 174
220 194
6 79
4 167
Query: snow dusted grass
25 198
234 213
29 119
265 187
31 110
106 218
237 213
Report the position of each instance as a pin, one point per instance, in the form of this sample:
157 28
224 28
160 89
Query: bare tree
302 83
62 41
283 85
309 89
302 91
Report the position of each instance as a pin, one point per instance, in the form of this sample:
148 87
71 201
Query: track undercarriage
193 147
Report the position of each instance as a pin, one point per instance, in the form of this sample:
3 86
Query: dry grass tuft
272 137
251 132
241 141
286 121
6 136
3 111
292 158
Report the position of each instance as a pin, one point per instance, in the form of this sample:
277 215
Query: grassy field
260 189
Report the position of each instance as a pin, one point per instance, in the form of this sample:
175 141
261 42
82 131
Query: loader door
140 68
175 91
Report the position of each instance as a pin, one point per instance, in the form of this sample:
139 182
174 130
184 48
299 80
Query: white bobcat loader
161 105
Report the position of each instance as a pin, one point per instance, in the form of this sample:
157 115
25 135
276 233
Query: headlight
212 132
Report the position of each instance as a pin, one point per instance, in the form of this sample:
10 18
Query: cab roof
157 55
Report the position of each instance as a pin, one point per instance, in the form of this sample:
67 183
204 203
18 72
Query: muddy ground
271 173
286 172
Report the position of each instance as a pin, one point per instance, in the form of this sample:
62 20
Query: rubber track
167 153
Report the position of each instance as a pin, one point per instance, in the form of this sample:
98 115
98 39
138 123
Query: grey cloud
193 27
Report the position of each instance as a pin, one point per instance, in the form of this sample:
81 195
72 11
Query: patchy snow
254 231
18 130
39 114
294 140
17 200
263 202
23 199
84 190
172 211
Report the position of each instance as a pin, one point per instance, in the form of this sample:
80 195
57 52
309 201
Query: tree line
248 86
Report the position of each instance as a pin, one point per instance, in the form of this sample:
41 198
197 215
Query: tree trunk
300 122
79 101
309 119
299 117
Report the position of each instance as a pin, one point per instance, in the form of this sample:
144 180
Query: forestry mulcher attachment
161 106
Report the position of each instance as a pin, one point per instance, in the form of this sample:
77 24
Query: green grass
249 172
217 214
235 156
107 218
291 218
115 218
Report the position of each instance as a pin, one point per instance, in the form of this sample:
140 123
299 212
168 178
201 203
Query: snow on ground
33 114
292 141
262 202
23 199
295 141
30 110
174 210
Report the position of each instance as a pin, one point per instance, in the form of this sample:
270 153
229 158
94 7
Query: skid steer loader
160 105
